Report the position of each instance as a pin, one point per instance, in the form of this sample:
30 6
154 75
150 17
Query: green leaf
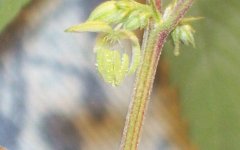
8 11
208 77
90 26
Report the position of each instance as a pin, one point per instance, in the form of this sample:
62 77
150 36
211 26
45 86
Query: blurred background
52 97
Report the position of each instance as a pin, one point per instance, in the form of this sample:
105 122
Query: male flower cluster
115 21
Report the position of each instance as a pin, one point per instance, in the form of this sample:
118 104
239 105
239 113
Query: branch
155 40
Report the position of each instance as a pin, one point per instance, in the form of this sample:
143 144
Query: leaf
90 26
8 11
208 77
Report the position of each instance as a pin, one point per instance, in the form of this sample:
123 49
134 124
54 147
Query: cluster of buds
129 14
183 33
115 21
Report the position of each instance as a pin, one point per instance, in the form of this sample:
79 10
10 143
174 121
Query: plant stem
159 5
153 43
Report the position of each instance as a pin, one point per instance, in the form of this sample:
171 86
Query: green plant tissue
208 76
8 10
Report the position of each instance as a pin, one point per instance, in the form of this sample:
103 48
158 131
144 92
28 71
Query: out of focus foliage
9 9
208 77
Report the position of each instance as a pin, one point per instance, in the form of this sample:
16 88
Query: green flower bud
132 24
167 12
130 13
108 12
125 4
184 34
137 19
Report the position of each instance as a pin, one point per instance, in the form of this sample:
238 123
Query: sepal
90 26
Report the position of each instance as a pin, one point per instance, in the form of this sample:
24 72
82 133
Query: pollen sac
186 35
112 66
136 50
167 11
